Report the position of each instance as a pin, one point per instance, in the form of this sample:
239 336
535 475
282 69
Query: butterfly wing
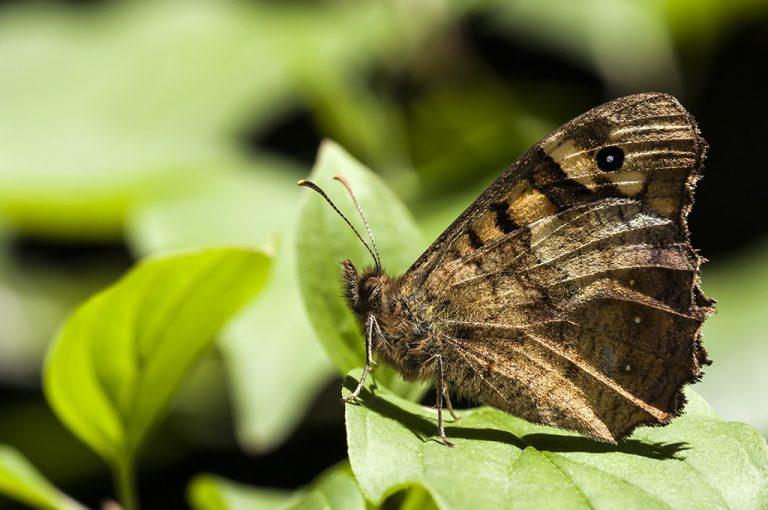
567 293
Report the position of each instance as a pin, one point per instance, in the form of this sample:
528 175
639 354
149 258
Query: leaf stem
125 482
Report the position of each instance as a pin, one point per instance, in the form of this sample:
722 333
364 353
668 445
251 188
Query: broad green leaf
275 364
21 481
324 240
270 349
34 300
118 359
698 461
335 489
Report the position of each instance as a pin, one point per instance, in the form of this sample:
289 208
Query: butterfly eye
610 158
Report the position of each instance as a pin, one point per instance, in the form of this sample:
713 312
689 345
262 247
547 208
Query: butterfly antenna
343 181
315 187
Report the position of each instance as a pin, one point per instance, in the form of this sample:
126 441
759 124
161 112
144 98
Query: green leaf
20 480
270 348
698 461
324 240
417 498
275 364
209 492
335 489
118 359
36 298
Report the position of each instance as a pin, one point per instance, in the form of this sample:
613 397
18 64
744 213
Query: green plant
119 358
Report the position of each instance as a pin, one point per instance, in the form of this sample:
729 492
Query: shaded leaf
489 126
698 461
735 337
335 489
324 240
21 481
119 358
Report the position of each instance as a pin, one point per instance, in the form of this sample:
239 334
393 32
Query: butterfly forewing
662 151
567 293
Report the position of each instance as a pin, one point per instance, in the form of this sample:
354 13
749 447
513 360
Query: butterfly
568 292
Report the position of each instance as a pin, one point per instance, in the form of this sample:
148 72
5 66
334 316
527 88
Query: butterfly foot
352 396
360 384
447 443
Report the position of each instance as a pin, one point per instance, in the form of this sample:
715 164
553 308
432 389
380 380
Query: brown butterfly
568 293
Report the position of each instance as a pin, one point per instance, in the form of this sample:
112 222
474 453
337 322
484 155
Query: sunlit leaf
21 481
118 359
324 240
34 300
335 489
698 461
270 349
275 363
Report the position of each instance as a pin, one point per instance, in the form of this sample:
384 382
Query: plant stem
125 481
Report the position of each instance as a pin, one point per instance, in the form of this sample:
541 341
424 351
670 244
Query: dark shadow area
293 136
426 430
557 443
34 253
729 213
421 427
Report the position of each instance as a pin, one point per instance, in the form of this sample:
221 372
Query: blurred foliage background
129 128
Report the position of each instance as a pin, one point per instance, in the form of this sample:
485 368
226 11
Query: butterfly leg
448 403
440 388
368 358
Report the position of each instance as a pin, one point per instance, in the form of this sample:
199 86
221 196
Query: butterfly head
363 289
